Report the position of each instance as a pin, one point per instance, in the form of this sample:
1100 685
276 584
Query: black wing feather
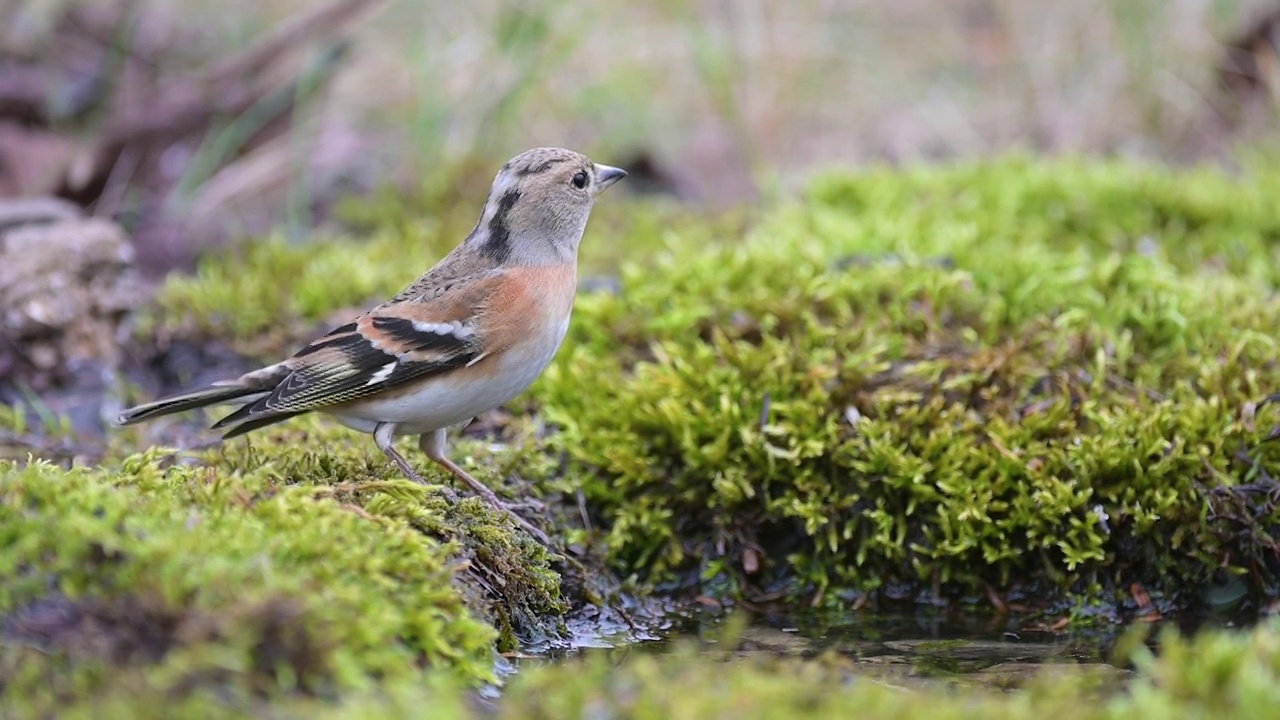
345 365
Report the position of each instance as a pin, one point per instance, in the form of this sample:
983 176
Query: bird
469 335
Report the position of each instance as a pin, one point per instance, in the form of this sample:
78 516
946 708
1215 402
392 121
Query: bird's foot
498 503
449 495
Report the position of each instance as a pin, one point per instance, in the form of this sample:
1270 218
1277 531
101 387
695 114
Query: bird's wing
413 337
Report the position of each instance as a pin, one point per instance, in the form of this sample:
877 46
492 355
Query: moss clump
505 575
1017 375
293 573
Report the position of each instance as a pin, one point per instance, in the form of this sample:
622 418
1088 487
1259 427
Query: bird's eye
580 180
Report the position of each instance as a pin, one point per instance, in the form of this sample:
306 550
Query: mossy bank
1021 382
1033 378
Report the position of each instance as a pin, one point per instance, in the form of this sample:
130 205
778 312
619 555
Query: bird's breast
527 322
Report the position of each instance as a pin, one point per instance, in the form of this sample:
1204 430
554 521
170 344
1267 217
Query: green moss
1215 674
1025 376
258 573
1016 374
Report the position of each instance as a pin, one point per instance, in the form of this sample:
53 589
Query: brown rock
66 285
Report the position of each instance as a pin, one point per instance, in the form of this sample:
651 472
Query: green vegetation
1015 376
960 374
1216 674
1022 375
251 577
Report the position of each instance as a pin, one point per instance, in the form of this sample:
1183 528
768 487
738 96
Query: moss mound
1019 375
296 575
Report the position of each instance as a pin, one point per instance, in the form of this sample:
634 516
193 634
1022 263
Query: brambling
471 334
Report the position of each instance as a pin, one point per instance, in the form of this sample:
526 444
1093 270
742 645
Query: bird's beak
606 176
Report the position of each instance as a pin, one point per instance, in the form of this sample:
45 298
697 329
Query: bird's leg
433 444
382 435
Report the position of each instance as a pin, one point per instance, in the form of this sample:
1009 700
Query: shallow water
910 650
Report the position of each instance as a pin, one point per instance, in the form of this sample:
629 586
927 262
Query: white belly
458 396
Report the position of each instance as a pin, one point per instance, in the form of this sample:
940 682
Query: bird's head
539 204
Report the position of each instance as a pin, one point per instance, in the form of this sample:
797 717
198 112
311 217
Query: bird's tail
244 389
189 401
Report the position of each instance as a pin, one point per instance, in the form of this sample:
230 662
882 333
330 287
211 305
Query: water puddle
910 650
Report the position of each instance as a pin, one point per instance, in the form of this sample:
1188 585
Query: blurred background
138 135
193 122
